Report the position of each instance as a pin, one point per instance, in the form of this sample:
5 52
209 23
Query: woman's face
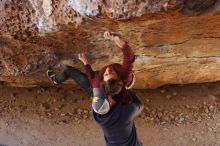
109 74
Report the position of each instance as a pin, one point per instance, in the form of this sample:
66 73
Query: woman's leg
79 77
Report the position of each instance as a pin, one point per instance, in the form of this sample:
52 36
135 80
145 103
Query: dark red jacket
124 71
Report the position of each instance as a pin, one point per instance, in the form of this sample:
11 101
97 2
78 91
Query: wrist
85 62
119 42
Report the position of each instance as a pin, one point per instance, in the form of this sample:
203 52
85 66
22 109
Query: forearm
119 42
128 54
127 66
89 72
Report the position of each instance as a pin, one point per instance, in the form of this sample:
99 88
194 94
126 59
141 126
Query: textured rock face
176 50
28 17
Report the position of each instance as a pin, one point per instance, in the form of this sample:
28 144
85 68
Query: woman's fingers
107 35
79 55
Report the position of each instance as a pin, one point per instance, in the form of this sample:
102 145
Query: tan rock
175 50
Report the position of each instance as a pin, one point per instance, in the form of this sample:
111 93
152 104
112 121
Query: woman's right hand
82 57
120 43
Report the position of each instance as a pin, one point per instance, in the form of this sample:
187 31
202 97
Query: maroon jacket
124 71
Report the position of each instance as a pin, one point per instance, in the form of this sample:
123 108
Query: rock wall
175 42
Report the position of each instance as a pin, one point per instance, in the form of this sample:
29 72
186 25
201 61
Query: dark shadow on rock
197 7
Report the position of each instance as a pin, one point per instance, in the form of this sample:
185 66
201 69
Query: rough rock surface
171 47
28 17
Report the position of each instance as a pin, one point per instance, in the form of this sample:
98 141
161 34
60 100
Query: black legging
79 77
